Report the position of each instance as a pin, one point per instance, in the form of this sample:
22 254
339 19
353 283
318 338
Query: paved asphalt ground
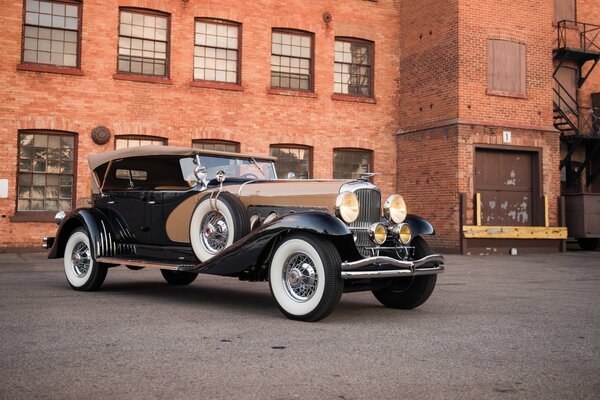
501 327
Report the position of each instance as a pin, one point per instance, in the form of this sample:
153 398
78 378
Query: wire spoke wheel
305 277
217 222
82 271
215 231
300 277
81 258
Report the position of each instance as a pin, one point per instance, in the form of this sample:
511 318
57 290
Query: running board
143 264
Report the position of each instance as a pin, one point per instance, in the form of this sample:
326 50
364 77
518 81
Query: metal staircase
578 46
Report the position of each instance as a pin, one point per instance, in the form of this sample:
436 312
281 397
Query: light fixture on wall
327 17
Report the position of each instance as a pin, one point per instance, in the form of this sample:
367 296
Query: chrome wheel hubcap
300 277
81 259
214 232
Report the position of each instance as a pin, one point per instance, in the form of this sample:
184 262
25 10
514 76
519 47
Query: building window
564 10
294 159
353 68
143 42
218 145
138 140
506 67
51 32
216 54
291 60
46 170
351 163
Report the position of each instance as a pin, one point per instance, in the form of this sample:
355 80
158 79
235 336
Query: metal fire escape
578 45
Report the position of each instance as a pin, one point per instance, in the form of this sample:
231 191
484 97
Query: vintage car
188 211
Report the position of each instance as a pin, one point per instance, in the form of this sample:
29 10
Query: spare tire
218 221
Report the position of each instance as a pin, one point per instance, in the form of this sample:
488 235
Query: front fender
245 252
419 226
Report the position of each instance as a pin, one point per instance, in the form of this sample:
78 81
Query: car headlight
394 208
404 234
346 207
378 233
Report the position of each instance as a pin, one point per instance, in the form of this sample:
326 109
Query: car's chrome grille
370 212
370 205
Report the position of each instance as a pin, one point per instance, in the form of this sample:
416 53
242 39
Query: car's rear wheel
178 278
82 271
409 292
217 223
305 278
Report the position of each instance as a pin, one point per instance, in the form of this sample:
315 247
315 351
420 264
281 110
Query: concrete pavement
495 328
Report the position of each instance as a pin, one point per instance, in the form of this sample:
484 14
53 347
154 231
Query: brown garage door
505 180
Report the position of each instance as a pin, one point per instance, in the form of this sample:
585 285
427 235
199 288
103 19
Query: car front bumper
47 242
388 267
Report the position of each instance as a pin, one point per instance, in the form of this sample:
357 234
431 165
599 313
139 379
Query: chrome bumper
47 242
388 267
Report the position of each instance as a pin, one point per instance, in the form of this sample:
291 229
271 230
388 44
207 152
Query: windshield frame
234 167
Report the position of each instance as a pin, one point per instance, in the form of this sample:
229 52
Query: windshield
244 168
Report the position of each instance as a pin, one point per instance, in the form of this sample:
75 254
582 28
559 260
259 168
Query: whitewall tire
305 278
82 271
216 224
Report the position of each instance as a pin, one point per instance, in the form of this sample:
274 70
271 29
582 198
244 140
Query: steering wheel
249 176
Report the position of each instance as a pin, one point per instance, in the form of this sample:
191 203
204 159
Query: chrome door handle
152 202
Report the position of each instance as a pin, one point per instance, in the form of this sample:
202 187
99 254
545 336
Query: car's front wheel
305 278
179 278
409 292
82 271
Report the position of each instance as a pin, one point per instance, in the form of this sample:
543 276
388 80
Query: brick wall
452 112
430 89
428 85
180 112
429 180
529 23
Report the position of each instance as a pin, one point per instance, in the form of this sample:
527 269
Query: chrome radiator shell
369 199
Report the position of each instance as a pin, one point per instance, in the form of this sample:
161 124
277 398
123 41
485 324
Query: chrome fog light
58 217
404 233
378 233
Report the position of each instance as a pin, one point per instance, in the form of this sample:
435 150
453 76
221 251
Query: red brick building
424 92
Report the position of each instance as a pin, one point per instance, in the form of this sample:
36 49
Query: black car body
188 211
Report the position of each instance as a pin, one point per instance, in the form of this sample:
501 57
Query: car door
137 209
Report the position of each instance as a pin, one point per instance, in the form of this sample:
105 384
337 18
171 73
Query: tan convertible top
98 159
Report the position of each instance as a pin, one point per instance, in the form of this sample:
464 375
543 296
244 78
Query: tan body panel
281 193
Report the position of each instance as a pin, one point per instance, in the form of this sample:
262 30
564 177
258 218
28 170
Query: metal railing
589 121
578 35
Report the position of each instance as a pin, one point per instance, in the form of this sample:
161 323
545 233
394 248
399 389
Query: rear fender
102 236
